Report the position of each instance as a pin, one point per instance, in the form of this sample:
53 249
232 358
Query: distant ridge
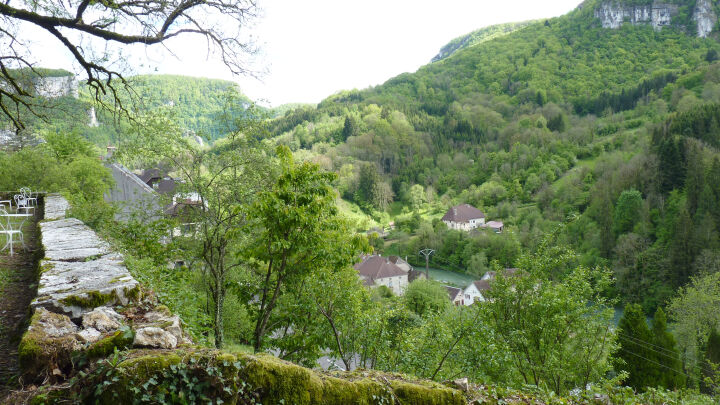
478 37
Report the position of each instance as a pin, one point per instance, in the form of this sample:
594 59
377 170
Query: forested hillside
613 132
196 104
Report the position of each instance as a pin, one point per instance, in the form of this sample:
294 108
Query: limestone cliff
56 86
613 14
705 17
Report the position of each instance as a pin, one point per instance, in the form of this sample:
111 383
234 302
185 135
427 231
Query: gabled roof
166 186
149 174
405 266
453 292
180 207
482 285
463 213
376 267
494 224
513 271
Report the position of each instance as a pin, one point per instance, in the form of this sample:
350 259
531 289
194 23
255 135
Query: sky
314 48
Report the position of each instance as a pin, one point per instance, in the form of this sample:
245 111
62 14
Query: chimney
110 150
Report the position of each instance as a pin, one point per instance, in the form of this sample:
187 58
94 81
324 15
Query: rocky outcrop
56 86
705 17
613 14
93 118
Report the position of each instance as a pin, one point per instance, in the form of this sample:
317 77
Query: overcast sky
313 48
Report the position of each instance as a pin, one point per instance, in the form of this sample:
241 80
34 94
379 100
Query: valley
560 175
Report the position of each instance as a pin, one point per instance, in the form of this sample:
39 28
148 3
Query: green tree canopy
426 296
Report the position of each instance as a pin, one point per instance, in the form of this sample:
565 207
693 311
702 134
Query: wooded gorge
597 150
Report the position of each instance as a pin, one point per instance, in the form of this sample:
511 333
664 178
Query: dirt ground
18 286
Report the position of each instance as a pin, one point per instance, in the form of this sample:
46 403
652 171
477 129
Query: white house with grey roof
376 270
464 217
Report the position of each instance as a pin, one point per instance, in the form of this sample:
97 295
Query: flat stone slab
71 240
74 288
55 206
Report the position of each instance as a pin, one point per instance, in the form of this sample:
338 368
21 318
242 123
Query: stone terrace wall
88 303
79 271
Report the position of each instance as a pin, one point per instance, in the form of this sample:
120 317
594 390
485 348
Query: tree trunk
218 315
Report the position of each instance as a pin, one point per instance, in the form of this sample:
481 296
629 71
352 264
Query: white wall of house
397 284
466 226
472 295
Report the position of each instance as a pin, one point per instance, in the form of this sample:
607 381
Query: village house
376 270
464 217
476 291
455 295
495 226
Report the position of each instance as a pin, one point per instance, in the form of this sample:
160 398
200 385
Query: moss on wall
91 299
237 378
39 355
120 340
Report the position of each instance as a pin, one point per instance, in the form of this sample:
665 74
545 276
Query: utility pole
427 253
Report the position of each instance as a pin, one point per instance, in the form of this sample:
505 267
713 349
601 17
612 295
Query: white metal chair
29 195
6 228
22 203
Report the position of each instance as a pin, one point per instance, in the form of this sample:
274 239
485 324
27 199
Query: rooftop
376 267
463 213
453 292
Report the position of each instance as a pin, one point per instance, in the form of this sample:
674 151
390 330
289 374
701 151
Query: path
18 285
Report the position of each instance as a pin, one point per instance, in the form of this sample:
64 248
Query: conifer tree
350 128
666 353
710 362
695 179
634 336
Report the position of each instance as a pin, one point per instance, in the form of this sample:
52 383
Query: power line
645 344
642 344
660 364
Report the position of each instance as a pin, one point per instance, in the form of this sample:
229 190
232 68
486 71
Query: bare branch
147 22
